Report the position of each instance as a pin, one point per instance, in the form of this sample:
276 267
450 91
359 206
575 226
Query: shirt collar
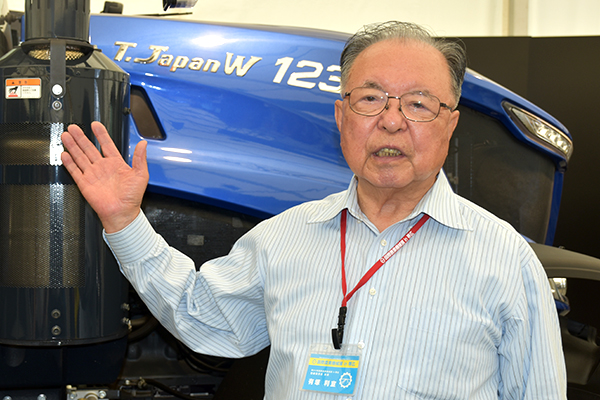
443 205
440 203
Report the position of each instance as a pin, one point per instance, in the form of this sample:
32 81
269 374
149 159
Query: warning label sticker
23 88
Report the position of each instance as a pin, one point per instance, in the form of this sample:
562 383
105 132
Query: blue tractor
239 121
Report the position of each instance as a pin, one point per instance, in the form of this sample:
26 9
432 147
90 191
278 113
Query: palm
111 187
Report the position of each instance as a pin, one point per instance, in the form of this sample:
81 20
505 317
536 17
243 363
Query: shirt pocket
446 355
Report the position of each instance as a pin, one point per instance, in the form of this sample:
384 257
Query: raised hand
110 186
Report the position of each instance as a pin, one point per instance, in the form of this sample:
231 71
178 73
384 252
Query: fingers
71 166
82 150
76 158
106 143
82 153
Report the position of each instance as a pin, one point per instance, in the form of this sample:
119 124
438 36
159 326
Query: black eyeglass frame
387 105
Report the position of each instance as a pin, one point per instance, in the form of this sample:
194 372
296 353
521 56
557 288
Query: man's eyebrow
375 85
372 85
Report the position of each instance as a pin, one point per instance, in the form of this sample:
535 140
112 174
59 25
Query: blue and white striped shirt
462 311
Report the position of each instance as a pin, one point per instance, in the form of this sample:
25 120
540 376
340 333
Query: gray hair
452 51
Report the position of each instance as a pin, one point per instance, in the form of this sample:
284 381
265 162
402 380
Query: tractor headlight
540 130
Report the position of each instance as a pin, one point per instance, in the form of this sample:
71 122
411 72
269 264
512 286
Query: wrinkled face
388 151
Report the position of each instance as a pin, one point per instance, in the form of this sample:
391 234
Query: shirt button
383 242
372 291
361 345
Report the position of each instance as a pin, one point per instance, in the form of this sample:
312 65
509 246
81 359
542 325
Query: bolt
41 397
55 314
57 90
563 164
55 332
56 105
101 394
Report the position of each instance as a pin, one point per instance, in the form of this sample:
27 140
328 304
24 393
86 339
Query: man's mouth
386 152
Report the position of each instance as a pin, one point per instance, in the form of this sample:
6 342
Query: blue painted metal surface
248 110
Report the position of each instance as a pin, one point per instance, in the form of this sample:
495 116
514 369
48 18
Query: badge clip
337 335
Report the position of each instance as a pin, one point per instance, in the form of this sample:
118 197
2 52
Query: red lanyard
338 333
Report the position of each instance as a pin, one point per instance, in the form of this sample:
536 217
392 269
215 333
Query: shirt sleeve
217 310
532 363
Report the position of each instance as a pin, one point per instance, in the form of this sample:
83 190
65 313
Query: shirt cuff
133 243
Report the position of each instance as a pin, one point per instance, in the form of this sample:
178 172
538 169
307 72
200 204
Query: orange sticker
23 88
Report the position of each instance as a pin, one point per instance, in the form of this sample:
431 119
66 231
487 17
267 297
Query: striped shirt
462 311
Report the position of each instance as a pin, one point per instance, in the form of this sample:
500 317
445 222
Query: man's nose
392 118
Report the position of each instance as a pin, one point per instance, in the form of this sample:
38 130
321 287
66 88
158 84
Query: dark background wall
562 76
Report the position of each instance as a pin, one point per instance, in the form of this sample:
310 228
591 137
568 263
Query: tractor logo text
307 74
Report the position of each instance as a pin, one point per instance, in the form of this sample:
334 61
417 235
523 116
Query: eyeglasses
415 106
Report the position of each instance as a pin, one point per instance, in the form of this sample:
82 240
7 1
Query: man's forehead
369 68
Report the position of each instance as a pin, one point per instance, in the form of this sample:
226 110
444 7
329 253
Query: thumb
139 161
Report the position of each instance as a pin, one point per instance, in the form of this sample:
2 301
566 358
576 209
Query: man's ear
453 122
338 111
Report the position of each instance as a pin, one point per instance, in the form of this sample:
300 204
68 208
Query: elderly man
428 295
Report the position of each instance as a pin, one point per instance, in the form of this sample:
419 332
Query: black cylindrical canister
59 283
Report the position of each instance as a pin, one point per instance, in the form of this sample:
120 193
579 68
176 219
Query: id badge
332 371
